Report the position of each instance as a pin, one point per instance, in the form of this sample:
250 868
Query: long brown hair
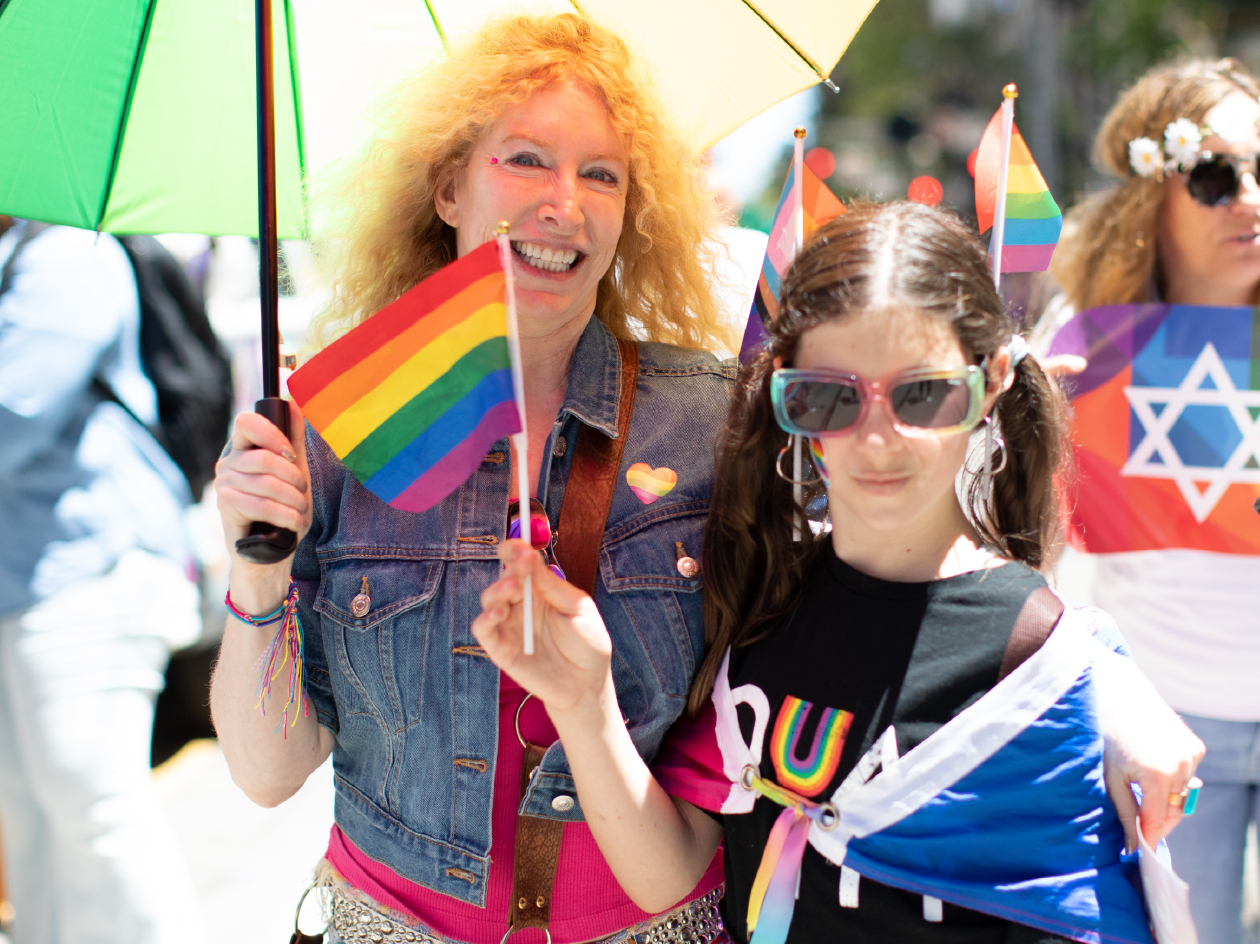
1107 255
871 259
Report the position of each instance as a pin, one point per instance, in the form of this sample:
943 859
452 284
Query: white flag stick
1009 94
519 440
798 223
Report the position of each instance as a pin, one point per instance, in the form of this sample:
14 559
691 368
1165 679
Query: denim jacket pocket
374 646
393 586
644 553
651 597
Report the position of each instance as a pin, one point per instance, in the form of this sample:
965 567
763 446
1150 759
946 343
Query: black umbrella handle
266 543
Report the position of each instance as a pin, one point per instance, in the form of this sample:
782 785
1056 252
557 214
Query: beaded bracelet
286 644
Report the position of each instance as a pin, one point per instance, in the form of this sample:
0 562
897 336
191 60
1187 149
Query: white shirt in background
1192 619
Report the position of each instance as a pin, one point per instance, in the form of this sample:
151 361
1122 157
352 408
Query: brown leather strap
579 533
1036 620
537 852
592 479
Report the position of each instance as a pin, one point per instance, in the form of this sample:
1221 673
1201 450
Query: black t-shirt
908 655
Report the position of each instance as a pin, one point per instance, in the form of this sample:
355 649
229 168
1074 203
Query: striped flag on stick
1012 197
817 205
413 398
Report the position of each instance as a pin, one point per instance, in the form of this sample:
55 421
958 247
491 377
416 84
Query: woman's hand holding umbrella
262 476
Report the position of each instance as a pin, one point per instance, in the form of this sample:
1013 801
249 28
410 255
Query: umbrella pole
267 543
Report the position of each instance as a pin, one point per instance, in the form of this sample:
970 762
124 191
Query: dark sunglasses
919 402
541 538
1216 178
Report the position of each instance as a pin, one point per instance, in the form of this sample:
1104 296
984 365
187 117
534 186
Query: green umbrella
138 116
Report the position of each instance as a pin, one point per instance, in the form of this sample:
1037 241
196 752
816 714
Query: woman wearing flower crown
1183 226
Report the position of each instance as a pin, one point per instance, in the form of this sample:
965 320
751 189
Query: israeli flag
1003 810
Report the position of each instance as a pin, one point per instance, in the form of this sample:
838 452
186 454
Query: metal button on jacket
362 602
560 448
562 803
688 567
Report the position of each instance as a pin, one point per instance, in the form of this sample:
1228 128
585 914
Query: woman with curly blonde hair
1183 227
456 817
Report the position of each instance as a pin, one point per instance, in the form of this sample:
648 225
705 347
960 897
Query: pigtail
1019 514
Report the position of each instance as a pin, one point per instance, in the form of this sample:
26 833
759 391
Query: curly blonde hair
382 233
1107 255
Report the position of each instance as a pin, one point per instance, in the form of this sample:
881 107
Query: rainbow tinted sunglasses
923 402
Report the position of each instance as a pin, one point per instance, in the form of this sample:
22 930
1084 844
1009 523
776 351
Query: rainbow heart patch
648 483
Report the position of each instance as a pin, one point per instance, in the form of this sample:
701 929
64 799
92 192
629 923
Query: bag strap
583 515
1036 620
33 229
592 480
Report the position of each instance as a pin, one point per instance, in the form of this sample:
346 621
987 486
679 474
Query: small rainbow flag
412 399
1033 219
820 206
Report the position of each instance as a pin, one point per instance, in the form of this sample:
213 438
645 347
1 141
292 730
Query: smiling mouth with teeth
549 260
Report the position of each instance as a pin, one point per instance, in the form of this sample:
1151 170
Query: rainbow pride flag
1033 219
1165 427
412 399
820 206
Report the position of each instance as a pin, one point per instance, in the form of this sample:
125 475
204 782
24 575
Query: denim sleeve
306 574
67 305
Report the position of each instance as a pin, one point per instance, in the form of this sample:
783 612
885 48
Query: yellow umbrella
718 62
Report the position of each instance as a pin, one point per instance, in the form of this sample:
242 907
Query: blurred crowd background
915 90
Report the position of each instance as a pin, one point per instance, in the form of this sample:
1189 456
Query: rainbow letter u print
810 775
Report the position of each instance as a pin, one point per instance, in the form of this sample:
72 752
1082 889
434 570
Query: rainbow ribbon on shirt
773 896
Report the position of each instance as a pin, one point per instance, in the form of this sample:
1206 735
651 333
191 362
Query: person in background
94 589
1191 236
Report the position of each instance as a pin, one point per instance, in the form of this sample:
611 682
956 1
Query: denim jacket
412 700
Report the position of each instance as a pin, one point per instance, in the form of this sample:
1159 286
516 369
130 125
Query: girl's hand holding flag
572 650
658 847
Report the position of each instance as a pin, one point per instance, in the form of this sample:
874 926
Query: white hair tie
1019 349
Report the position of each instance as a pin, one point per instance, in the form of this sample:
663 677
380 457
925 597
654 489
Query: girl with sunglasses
1183 226
896 725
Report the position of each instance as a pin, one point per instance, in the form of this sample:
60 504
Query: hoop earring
990 438
778 467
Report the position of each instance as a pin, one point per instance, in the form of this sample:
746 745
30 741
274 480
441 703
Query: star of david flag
1166 427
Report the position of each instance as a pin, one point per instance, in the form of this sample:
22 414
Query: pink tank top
588 902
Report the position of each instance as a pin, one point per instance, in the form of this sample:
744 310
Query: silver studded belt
356 922
696 922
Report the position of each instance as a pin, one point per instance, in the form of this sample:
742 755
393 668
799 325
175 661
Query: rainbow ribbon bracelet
773 896
285 645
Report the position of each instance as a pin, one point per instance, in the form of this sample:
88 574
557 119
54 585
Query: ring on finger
1188 798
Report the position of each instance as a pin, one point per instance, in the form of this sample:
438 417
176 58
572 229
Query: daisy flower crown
1183 138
